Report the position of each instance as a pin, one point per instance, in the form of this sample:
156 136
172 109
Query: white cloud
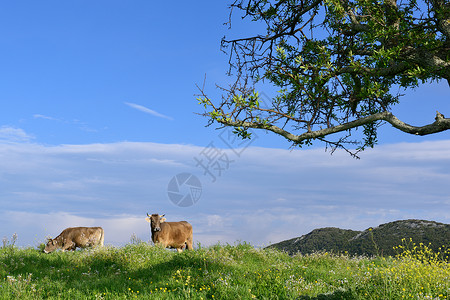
148 110
12 134
215 220
79 124
266 195
39 116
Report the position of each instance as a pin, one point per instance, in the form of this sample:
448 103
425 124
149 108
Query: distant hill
372 241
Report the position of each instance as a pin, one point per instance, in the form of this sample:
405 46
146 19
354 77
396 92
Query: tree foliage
335 64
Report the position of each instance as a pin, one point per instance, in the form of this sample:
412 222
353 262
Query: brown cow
74 237
170 234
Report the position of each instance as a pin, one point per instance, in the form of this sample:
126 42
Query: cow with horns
176 235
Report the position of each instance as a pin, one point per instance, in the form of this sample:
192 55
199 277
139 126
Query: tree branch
333 84
440 124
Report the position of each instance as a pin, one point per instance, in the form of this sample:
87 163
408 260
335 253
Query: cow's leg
161 245
68 246
181 247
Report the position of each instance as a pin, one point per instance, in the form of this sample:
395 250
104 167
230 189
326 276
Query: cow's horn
148 215
162 215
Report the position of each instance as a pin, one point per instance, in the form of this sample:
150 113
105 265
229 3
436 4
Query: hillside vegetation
239 271
380 240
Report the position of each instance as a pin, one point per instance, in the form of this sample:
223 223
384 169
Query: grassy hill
219 272
380 240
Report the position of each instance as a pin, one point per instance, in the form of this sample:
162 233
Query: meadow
240 271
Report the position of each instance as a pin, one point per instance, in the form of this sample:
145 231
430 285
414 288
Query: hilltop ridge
379 240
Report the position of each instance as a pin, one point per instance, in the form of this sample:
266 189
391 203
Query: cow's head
51 246
155 221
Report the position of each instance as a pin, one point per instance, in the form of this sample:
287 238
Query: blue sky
97 115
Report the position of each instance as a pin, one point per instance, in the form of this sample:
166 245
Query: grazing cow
74 237
170 234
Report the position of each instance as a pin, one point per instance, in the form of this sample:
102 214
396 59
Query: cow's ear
162 220
148 220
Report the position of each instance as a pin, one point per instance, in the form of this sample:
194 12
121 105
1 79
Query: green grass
219 272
